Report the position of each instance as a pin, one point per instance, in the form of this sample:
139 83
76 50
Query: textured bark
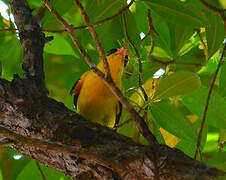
47 131
79 147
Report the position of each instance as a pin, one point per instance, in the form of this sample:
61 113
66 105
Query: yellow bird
93 99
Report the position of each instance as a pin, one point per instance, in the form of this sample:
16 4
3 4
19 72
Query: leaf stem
207 103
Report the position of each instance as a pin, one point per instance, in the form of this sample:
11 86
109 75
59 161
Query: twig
124 123
84 26
109 82
152 31
95 38
40 170
212 7
140 72
137 56
207 102
218 10
8 29
70 29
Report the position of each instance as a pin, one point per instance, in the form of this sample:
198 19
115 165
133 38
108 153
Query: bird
93 99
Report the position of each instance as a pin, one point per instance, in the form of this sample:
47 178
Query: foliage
176 99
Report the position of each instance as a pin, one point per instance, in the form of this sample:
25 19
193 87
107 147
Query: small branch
142 122
137 56
40 170
70 29
95 38
8 30
124 123
81 27
220 11
212 7
151 32
109 82
207 102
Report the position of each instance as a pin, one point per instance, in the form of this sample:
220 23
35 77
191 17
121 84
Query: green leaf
222 82
179 36
59 45
132 29
215 159
178 83
49 21
172 120
31 170
178 12
192 61
141 16
10 55
214 33
100 9
196 103
10 166
162 40
109 35
222 137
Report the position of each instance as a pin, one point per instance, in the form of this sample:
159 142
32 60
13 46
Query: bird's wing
77 87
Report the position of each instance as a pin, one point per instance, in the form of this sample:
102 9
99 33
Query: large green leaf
59 45
100 9
163 40
176 84
172 120
178 12
141 16
196 102
179 36
214 33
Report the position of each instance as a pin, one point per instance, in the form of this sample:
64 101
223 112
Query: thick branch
32 40
47 131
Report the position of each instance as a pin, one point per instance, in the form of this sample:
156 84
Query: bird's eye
113 50
125 61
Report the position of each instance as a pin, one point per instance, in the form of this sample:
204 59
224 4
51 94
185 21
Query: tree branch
212 7
47 131
207 102
32 49
137 56
95 38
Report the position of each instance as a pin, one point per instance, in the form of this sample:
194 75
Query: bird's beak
122 52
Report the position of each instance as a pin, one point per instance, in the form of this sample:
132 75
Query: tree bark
49 132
